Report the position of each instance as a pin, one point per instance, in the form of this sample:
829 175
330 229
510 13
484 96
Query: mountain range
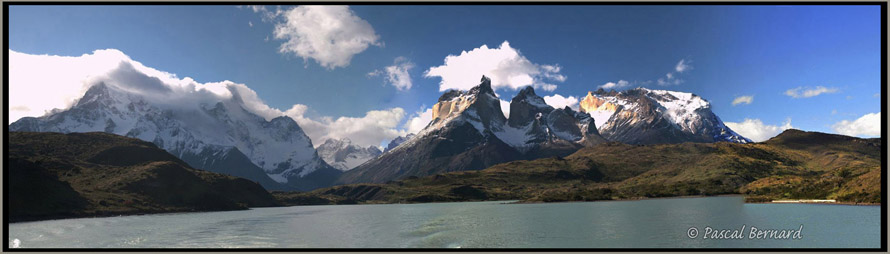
343 155
793 165
468 131
644 116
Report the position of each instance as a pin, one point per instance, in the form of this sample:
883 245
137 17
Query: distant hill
793 165
54 175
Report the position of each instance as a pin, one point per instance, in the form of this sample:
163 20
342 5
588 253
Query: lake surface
654 223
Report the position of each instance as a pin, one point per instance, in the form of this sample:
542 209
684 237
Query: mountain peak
527 91
484 87
343 155
96 93
648 116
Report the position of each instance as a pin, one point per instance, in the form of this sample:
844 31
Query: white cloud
419 121
329 34
266 14
505 107
671 77
368 130
669 80
249 23
614 85
746 99
755 130
806 92
37 93
558 101
869 125
506 67
683 66
33 93
397 74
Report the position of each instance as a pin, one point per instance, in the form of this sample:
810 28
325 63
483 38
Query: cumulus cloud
746 99
34 93
615 85
558 101
756 130
869 125
505 65
368 130
397 74
807 92
419 121
329 34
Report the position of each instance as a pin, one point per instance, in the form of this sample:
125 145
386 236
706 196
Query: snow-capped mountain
343 155
644 116
397 141
202 134
468 131
459 137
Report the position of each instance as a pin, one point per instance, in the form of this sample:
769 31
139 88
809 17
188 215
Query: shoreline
502 202
110 214
817 203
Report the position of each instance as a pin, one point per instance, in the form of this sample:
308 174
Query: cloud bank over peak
505 65
37 93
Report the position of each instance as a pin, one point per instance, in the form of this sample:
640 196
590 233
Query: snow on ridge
681 111
515 137
188 130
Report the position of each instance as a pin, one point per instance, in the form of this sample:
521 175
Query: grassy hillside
795 164
54 175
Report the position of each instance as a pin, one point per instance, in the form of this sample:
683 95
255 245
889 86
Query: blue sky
732 51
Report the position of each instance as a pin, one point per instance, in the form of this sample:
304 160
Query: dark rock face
547 126
456 148
231 161
397 141
466 134
453 141
58 175
526 107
